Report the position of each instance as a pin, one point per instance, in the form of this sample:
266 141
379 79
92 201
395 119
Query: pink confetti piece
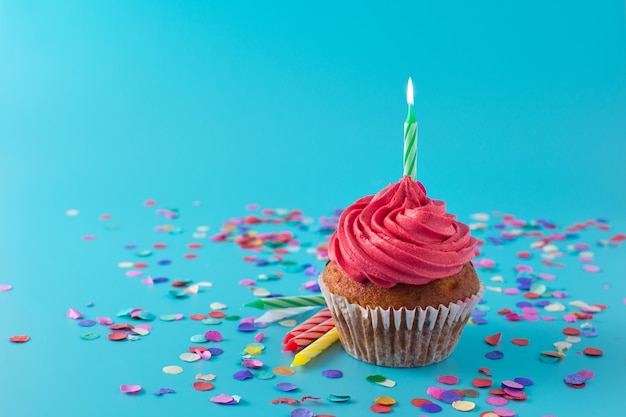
148 280
5 287
222 399
104 320
134 273
448 379
74 314
511 291
88 237
547 277
213 336
130 389
247 282
259 337
591 268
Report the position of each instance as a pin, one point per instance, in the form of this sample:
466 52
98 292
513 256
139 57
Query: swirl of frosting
400 236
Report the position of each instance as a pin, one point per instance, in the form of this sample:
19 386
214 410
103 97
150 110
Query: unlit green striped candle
410 136
285 302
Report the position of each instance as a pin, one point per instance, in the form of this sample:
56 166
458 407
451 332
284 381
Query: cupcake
399 283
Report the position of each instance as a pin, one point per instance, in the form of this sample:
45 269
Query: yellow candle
315 348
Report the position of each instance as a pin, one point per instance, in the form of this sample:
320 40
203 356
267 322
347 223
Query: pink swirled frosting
400 236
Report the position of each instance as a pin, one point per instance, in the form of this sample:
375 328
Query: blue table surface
216 112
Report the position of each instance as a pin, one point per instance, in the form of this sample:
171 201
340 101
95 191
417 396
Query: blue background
521 109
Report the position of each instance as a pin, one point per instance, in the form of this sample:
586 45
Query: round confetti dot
5 287
381 409
494 355
448 379
301 412
520 341
470 393
203 386
591 351
482 382
117 336
189 357
504 412
418 402
497 401
198 338
213 336
284 370
431 407
243 375
264 375
172 370
286 386
197 317
450 396
463 405
19 338
90 336
332 373
385 400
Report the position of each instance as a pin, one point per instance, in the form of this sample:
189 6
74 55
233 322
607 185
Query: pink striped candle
319 317
310 336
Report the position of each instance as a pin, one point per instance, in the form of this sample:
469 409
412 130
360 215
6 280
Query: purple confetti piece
224 399
575 379
286 386
494 355
246 327
332 373
160 280
87 323
215 351
523 381
450 396
301 412
431 407
162 391
164 262
243 375
213 336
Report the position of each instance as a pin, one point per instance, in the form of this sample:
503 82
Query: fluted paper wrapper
403 338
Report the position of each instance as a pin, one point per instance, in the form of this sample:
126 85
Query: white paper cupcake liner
399 338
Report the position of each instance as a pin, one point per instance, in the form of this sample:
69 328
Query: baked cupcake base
399 337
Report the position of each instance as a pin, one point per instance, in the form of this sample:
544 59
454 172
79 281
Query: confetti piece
117 336
482 382
448 379
286 386
301 412
5 287
243 375
520 342
381 409
431 407
591 351
130 389
213 336
172 370
163 391
418 402
74 314
338 398
463 405
284 370
494 339
385 400
90 336
332 373
203 386
494 355
207 377
19 338
189 357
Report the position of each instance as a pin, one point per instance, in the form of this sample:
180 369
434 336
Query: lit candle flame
409 92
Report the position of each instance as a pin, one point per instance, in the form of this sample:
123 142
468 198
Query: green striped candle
285 302
410 136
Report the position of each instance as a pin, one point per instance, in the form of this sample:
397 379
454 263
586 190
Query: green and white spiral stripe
410 145
293 301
